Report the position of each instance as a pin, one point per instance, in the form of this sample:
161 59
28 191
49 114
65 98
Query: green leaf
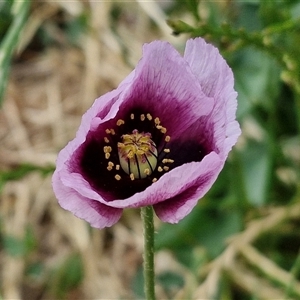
9 42
18 247
13 246
30 240
192 5
35 270
256 164
248 15
257 80
137 284
76 27
67 276
171 282
23 170
207 226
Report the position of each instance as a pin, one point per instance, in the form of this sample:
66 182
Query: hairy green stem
149 277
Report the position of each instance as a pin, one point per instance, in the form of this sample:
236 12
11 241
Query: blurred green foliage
13 17
5 16
261 42
22 170
66 276
19 247
207 226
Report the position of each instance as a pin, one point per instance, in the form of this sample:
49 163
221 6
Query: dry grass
47 94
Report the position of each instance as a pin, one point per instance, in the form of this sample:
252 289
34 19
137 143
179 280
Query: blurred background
240 242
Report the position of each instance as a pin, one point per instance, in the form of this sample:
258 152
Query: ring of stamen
137 154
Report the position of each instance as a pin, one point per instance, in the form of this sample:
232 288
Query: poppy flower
161 138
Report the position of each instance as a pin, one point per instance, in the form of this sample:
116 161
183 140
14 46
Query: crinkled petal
209 67
88 208
199 175
97 214
175 208
216 80
190 95
104 108
165 85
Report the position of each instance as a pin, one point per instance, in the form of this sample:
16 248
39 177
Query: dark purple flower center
131 153
137 152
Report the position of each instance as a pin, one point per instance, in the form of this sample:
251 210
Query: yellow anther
166 168
157 121
159 127
167 138
167 160
147 171
159 169
132 116
163 130
118 177
130 155
106 140
143 117
117 167
131 176
107 155
109 167
149 117
112 132
166 150
140 151
107 131
154 179
126 137
120 122
107 149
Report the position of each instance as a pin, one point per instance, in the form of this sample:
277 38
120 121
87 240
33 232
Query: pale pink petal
209 67
216 80
195 100
176 207
104 108
194 175
165 86
97 214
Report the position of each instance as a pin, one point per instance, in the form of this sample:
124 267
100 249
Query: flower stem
148 225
